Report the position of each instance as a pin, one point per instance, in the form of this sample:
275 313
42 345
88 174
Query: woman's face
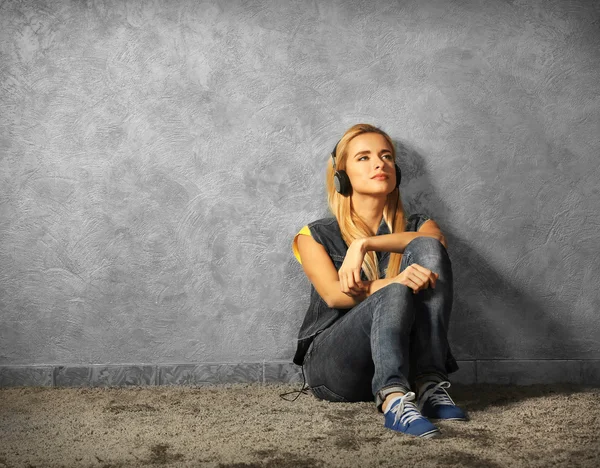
370 165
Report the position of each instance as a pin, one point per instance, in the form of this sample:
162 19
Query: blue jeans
393 336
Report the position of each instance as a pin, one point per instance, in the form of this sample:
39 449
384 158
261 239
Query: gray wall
157 158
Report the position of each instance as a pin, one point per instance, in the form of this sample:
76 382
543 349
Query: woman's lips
379 177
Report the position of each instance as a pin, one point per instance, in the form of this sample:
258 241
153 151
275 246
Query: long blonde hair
351 225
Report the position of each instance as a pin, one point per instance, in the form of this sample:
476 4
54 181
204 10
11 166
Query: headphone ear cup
398 175
342 182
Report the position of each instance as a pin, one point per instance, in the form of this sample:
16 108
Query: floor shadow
484 396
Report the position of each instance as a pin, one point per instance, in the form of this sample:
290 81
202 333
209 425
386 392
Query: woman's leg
365 353
429 342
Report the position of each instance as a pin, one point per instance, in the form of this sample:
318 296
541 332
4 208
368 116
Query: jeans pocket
323 393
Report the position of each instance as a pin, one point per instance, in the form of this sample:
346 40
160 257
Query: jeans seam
380 398
376 336
393 385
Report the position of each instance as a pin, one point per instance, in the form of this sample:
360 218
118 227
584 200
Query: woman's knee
394 296
426 247
394 290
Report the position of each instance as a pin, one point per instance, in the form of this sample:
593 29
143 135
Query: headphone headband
333 155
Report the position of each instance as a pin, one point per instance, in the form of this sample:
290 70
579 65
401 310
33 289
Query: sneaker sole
427 435
431 434
448 419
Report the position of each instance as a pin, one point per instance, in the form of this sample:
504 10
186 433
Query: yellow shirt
304 231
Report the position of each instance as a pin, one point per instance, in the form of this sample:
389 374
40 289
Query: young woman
381 293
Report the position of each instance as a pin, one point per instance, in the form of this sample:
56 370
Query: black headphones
342 181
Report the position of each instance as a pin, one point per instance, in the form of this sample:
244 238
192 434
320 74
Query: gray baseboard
507 372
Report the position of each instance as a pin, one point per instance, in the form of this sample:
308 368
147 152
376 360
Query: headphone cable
304 389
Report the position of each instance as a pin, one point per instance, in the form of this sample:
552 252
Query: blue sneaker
435 403
402 416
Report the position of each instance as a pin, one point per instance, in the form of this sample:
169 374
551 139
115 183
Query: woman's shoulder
322 230
325 230
318 226
415 221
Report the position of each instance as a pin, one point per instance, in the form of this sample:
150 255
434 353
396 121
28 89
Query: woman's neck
369 209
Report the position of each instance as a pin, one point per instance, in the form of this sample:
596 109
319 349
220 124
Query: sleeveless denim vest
319 315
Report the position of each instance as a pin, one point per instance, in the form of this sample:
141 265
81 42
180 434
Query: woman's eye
363 158
389 156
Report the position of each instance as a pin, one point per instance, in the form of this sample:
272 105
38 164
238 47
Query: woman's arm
398 241
349 273
395 242
321 272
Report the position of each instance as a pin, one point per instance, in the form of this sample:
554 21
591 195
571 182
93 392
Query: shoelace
405 411
437 395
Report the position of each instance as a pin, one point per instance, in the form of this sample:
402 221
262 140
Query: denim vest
319 315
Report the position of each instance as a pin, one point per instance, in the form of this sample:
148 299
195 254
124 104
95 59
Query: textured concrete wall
156 159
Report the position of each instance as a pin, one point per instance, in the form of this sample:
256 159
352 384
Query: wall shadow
492 317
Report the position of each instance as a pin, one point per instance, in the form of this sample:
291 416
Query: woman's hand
349 272
417 277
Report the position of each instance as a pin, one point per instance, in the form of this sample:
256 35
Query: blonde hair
351 225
